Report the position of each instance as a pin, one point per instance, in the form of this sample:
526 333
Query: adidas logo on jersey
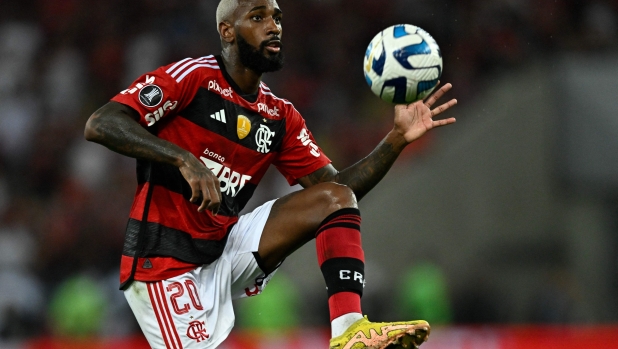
219 116
147 264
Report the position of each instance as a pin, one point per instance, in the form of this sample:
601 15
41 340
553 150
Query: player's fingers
443 122
215 197
433 98
443 107
205 197
195 191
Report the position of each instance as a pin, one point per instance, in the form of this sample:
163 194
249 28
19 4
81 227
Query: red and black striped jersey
195 104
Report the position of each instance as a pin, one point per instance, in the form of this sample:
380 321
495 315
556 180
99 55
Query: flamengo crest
197 331
262 138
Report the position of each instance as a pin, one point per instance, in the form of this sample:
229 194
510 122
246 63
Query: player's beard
259 59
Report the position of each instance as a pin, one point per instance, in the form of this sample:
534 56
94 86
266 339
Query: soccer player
204 131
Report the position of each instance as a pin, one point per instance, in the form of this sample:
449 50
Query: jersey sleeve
159 94
300 154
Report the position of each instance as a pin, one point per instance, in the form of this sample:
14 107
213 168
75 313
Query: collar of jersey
251 98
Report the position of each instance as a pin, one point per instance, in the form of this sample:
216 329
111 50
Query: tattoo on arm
363 175
115 126
326 174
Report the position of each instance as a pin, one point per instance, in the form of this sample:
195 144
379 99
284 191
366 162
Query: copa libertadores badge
151 95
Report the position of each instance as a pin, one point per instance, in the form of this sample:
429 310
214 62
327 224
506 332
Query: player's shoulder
187 67
275 106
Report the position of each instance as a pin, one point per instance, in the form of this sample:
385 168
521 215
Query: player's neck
246 79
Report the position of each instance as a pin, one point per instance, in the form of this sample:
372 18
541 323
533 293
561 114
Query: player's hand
204 184
413 120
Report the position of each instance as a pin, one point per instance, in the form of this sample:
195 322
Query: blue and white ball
403 64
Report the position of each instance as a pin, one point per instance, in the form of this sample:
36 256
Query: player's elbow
92 131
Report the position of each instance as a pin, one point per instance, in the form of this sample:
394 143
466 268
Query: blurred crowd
64 202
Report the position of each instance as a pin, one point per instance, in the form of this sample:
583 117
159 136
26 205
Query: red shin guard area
344 303
338 242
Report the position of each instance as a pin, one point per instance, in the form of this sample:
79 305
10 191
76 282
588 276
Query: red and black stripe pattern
342 260
199 108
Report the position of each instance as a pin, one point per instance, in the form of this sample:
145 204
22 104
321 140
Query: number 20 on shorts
179 290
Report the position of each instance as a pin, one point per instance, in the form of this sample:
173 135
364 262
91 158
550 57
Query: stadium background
507 218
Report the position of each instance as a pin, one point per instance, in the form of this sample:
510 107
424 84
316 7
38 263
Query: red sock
342 261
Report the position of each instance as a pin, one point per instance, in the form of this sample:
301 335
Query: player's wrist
396 139
184 159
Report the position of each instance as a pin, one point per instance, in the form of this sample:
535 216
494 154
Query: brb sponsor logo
307 142
153 117
232 182
214 155
213 85
264 108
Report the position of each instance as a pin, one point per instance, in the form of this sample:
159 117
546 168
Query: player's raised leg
328 212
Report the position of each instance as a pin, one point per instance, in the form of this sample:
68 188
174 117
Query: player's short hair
225 10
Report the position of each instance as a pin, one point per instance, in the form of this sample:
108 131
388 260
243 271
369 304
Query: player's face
258 35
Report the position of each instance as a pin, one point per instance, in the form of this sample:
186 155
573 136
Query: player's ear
226 30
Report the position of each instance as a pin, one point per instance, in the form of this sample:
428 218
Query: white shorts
194 310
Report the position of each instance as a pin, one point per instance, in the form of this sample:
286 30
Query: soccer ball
403 64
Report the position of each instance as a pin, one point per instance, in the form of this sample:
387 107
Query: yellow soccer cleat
382 335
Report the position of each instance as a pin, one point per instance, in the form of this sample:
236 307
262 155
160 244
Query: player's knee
334 197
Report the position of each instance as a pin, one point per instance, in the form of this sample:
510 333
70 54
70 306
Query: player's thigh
294 219
248 273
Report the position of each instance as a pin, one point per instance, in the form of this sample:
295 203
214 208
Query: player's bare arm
411 122
114 125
